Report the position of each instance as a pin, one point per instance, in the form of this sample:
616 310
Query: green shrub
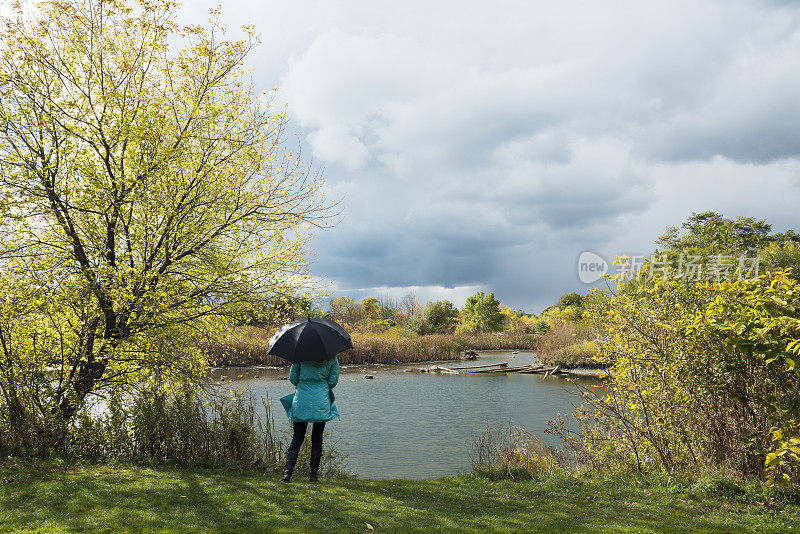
541 327
440 316
417 325
703 379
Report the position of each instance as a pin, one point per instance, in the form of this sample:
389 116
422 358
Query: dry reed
514 452
568 344
249 346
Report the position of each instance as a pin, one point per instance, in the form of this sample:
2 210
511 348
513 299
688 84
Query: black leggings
300 433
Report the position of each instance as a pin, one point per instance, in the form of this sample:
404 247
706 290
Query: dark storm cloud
487 146
772 136
456 243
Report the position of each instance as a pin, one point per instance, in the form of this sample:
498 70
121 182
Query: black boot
291 459
316 456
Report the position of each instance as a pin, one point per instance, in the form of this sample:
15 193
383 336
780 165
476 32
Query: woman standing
313 403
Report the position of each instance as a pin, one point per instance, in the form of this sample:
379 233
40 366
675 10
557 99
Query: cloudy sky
485 145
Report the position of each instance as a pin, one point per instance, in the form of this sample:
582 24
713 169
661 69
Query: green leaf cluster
147 199
481 313
703 376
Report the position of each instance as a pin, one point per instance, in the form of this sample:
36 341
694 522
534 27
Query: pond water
422 425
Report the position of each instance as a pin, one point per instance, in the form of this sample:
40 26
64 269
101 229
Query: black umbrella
313 339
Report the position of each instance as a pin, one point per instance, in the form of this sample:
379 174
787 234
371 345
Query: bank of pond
407 424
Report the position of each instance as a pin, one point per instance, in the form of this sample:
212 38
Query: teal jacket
312 401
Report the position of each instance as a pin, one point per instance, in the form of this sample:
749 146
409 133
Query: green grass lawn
53 497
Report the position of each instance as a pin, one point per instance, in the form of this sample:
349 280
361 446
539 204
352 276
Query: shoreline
377 364
249 346
579 371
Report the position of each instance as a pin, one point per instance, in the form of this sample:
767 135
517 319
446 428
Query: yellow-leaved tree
145 195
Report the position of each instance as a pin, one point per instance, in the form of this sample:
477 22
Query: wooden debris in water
533 368
502 367
554 371
501 364
444 370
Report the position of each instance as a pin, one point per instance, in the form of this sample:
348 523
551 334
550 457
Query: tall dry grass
151 424
249 346
568 344
191 427
514 452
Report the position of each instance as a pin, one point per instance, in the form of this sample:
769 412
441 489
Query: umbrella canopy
309 340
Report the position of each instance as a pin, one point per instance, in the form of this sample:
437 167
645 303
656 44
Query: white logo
591 267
